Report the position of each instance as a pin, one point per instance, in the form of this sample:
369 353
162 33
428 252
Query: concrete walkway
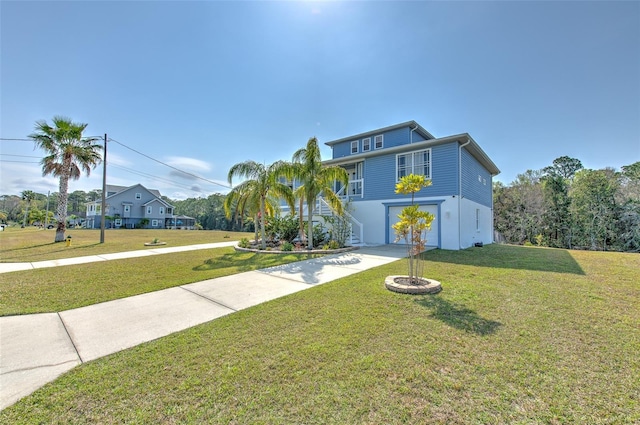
35 349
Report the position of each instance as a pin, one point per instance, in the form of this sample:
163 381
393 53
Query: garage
432 235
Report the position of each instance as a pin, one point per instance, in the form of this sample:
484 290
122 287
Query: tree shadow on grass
510 257
458 316
244 262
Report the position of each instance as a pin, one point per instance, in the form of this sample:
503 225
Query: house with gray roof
134 206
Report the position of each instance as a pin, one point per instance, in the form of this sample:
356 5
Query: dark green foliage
566 206
282 228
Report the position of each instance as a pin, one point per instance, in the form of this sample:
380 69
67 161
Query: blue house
460 196
129 206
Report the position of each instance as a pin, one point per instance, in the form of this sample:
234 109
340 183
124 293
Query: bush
319 235
244 243
287 246
283 228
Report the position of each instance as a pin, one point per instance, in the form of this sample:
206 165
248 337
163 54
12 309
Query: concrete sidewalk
14 267
36 349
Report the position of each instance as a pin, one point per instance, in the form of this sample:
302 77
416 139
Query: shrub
287 246
319 235
244 243
333 244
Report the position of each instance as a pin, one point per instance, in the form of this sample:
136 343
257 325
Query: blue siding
380 174
392 138
476 180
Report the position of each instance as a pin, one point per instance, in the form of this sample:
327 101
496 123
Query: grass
33 244
63 288
518 335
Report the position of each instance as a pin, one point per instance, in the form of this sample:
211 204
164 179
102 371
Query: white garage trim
392 209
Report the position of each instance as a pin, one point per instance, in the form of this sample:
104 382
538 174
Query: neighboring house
460 197
129 207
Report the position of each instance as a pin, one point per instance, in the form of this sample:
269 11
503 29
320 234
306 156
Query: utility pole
104 189
46 217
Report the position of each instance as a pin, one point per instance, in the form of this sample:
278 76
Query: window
378 141
117 222
154 223
366 144
138 195
161 210
149 209
127 208
418 162
354 147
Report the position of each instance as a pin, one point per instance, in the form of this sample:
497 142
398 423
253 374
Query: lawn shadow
245 262
458 316
510 257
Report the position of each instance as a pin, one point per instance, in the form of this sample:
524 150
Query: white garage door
432 235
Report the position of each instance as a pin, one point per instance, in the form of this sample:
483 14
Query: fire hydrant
69 240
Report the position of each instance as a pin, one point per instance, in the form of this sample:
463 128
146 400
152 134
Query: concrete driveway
36 349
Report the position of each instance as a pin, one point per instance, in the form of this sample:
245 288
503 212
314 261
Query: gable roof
121 189
472 147
411 124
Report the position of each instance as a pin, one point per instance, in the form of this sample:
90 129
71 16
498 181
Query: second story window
378 141
149 209
354 147
418 162
138 195
366 144
161 211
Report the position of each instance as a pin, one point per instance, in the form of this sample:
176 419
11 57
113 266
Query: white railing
352 220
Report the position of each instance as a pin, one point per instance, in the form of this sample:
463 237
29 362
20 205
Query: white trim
154 223
355 145
411 168
366 144
379 139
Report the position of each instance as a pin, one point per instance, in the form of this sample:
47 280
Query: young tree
264 181
68 153
413 223
315 179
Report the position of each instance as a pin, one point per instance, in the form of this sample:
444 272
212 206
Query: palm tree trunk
26 213
262 221
63 198
310 225
301 219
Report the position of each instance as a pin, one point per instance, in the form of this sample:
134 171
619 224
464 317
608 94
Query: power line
16 140
21 156
22 162
170 166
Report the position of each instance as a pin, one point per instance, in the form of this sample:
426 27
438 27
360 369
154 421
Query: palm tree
68 154
315 179
262 183
243 200
27 196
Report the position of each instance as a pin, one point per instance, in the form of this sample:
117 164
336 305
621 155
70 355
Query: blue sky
204 85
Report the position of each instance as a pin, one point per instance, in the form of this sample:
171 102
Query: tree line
565 205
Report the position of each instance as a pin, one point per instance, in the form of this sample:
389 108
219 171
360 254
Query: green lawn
518 335
62 288
33 244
